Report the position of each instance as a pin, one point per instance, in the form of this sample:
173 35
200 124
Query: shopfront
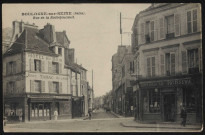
42 107
161 99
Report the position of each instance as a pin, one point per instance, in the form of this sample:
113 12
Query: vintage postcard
102 67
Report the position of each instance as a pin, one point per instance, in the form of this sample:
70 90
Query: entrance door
169 107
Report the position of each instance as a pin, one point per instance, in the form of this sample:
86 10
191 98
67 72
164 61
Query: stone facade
166 41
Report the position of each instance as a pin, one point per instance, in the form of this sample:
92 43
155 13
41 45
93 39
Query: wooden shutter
7 88
142 32
155 30
153 66
148 67
31 64
50 86
42 86
165 27
7 68
200 60
60 87
42 66
60 68
198 20
172 63
50 67
32 85
152 31
177 24
161 28
184 62
162 64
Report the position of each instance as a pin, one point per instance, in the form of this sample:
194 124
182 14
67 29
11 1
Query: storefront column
26 111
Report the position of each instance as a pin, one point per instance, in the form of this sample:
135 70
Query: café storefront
161 99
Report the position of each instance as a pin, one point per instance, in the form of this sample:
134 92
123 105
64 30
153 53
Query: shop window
54 67
151 66
170 63
193 61
192 21
190 100
37 86
37 65
170 26
154 101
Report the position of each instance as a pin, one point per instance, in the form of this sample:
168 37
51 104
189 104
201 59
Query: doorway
169 107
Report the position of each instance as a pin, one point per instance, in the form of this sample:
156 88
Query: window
152 31
37 65
170 63
189 100
55 87
169 26
60 51
123 71
37 86
10 86
154 101
54 67
150 66
10 68
193 60
147 31
132 69
192 21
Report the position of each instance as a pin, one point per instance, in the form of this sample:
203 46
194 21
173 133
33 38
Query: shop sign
166 83
49 77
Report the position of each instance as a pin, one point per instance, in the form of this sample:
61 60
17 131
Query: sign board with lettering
166 83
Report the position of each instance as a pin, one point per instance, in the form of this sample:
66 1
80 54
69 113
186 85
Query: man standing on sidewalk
183 116
90 113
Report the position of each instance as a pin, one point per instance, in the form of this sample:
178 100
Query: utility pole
120 28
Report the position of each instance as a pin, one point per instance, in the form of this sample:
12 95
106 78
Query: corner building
36 76
167 43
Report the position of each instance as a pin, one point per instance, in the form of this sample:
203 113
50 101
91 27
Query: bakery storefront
162 98
42 107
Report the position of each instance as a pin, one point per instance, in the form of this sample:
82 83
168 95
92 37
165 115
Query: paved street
101 122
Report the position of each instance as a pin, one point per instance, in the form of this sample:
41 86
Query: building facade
122 70
37 79
167 44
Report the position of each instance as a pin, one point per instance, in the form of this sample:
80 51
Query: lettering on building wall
42 57
166 83
47 77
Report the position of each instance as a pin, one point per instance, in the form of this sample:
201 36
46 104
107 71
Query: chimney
49 33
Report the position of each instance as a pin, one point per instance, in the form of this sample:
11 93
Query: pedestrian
90 113
183 116
20 116
56 115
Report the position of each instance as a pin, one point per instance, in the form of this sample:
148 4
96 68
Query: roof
62 38
29 40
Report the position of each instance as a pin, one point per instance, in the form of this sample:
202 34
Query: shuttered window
177 24
192 21
55 67
37 65
152 31
142 33
55 87
170 24
150 66
170 63
193 60
161 28
184 62
11 68
162 64
37 86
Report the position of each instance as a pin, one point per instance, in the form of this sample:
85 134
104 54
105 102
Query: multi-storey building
37 79
168 47
122 70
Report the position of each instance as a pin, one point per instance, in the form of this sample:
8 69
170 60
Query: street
102 121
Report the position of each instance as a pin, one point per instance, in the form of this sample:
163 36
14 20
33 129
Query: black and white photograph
102 67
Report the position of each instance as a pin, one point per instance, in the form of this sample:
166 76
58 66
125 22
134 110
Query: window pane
188 16
194 26
170 24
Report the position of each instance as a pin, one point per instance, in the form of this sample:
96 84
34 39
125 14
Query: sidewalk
135 124
117 115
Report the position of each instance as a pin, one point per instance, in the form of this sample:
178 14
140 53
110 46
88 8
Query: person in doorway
56 114
90 113
20 116
183 116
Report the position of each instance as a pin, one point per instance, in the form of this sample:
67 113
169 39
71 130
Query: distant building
167 44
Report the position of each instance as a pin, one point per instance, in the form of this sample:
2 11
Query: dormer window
60 51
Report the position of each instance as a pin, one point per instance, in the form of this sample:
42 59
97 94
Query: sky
94 32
